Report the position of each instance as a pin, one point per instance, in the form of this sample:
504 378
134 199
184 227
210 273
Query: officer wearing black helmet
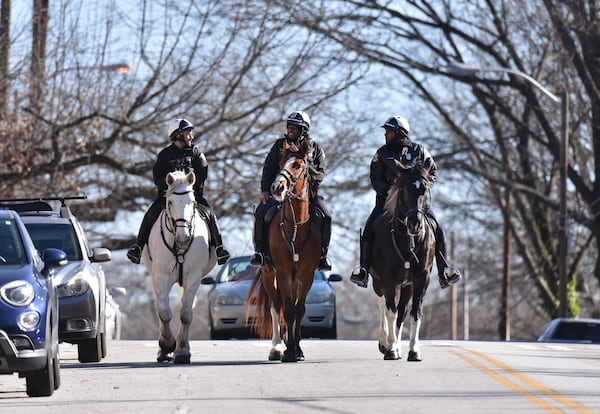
297 127
399 147
183 155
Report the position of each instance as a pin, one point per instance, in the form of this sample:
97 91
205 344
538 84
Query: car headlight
228 300
76 286
319 297
17 293
28 321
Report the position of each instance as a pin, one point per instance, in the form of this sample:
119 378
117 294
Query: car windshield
238 270
580 331
58 236
11 248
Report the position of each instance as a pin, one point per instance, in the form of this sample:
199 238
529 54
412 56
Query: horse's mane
404 177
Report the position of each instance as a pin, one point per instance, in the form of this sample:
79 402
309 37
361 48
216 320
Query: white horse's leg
182 352
414 353
276 352
166 340
383 326
388 339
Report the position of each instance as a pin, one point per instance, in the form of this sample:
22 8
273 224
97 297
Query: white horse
178 251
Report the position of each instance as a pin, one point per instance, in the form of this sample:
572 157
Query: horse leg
388 341
166 340
182 352
416 313
300 310
276 352
289 313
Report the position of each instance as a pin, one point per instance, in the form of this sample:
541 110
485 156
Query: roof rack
22 205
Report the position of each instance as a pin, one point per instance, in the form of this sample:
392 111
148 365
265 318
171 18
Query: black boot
447 275
360 275
324 263
220 251
258 258
135 251
135 254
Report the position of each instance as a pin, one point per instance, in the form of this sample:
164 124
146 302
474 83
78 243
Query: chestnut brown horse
279 293
403 254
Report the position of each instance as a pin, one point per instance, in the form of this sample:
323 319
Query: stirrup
324 263
360 277
257 259
135 254
222 255
449 276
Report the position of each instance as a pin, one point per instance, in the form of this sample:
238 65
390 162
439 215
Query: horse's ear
304 147
169 179
190 178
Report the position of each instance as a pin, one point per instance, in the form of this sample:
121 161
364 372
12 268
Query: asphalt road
336 377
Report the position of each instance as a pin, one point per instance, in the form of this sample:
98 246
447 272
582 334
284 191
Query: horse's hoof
182 359
275 355
289 356
414 356
163 356
167 348
300 356
391 355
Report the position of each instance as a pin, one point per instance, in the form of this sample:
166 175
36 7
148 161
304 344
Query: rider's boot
135 254
135 251
360 275
222 253
447 274
258 259
324 263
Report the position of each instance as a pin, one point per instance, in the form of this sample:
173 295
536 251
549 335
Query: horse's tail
260 316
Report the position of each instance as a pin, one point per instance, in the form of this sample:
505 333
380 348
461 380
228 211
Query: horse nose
277 187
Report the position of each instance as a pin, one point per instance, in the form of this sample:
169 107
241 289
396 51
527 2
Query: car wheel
90 350
103 345
41 383
215 335
56 372
331 333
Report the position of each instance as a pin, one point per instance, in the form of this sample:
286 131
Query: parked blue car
28 308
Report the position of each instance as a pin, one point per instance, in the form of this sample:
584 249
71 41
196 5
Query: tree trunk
4 57
38 53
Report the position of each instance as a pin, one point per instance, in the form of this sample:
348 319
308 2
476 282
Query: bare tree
504 136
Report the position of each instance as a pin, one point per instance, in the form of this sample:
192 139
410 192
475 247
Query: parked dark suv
28 308
81 283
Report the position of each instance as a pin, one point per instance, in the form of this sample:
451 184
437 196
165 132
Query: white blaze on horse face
281 184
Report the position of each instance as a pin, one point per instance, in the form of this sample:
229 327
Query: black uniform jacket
316 160
187 159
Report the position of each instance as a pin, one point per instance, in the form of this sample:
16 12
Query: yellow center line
511 386
526 380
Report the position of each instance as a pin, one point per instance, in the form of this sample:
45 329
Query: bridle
179 248
293 193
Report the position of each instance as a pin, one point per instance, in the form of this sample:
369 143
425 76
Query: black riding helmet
177 126
301 119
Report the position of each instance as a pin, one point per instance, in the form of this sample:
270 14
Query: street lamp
463 69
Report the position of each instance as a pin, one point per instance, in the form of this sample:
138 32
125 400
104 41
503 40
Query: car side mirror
53 258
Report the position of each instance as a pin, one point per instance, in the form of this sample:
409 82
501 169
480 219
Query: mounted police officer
399 147
180 155
298 125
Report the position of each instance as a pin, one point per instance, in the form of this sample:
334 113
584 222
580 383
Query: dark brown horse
279 293
403 254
